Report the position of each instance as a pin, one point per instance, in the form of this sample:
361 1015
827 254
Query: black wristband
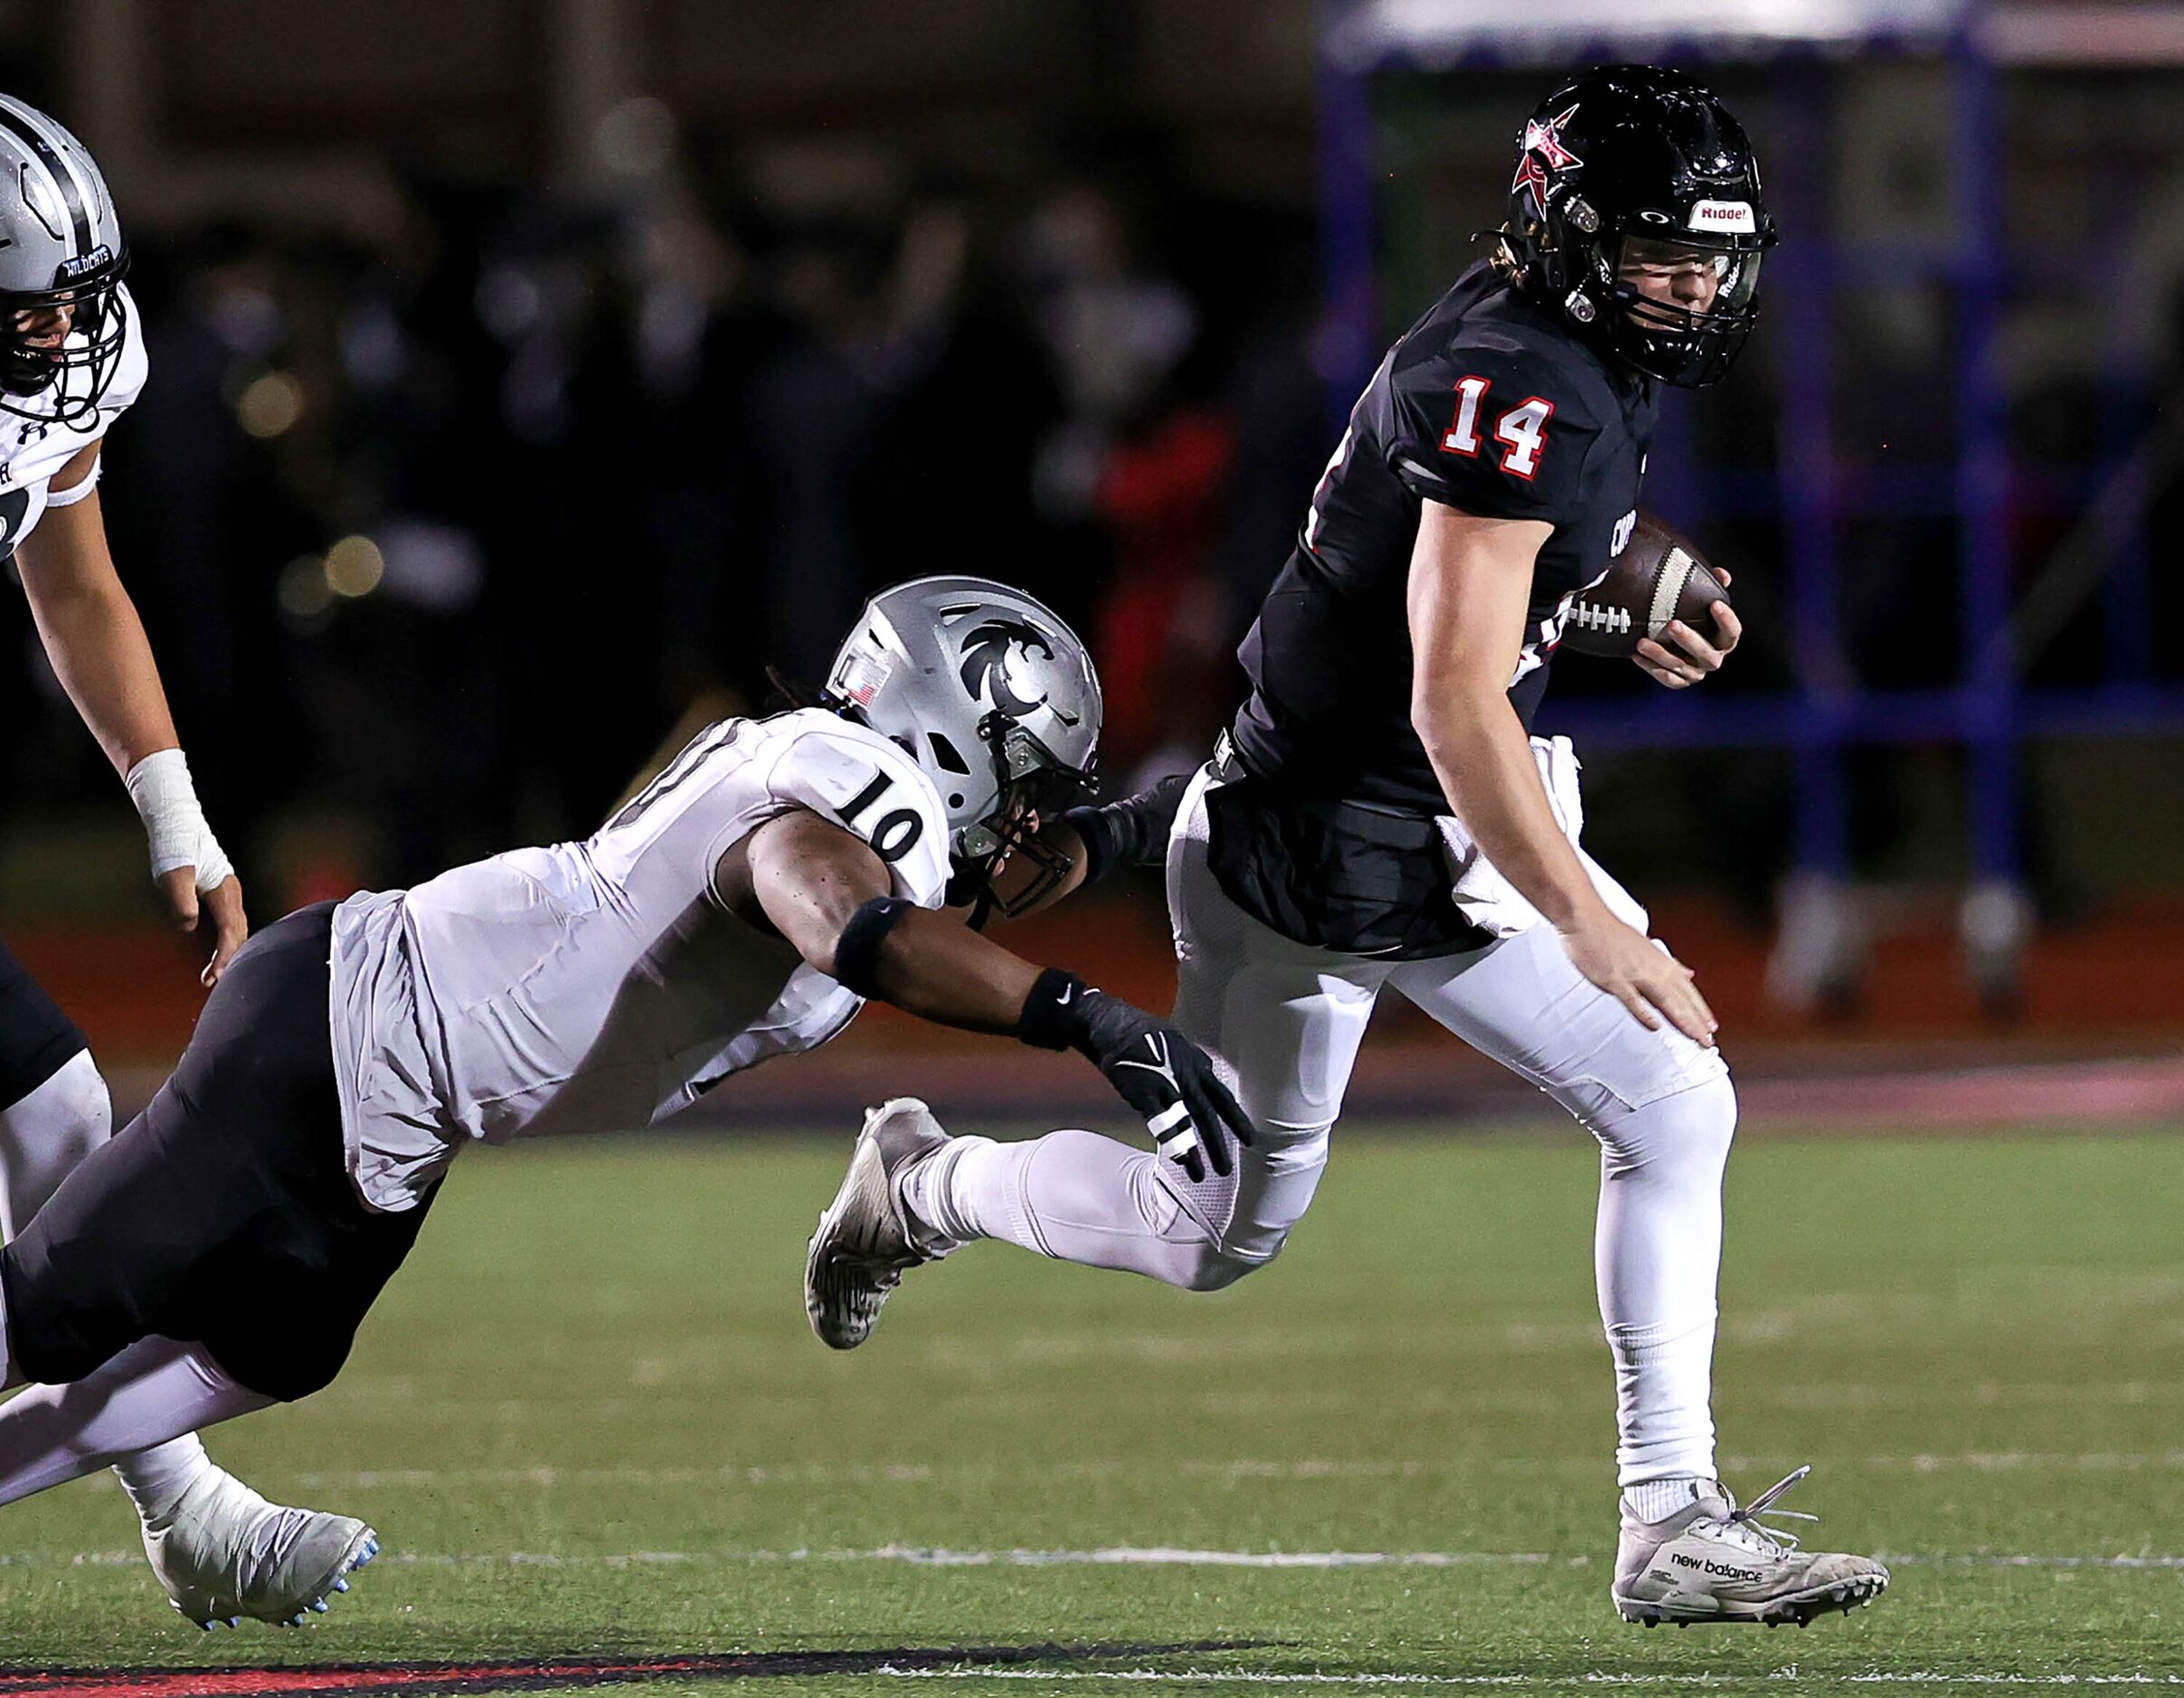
1090 822
1053 1013
856 952
1129 833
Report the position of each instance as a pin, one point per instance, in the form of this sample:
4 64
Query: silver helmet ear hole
945 754
1582 215
1579 306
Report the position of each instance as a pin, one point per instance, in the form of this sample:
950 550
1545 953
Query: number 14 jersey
1488 405
600 985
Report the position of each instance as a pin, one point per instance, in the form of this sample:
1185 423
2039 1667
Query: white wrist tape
166 801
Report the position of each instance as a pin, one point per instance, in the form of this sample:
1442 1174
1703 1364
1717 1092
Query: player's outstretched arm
99 653
1129 831
825 891
1469 580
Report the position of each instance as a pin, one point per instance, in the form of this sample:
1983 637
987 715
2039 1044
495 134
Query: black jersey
1484 404
1488 406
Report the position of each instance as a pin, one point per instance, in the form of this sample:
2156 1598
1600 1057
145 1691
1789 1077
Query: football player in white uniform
71 361
1377 818
742 906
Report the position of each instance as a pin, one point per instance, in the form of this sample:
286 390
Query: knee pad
1242 1219
1686 1133
69 1109
1217 1268
46 1134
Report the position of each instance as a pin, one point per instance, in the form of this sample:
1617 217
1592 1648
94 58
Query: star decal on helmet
1543 153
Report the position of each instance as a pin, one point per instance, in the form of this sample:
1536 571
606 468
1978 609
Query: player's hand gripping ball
1658 580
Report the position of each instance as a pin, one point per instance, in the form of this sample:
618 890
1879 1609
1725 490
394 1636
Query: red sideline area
2099 1037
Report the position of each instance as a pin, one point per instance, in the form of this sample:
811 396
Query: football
1658 577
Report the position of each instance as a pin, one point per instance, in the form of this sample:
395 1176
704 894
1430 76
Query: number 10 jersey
603 985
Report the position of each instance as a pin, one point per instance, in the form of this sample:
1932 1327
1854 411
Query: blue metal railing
1988 711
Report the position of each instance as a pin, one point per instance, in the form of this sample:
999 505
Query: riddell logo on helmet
1735 216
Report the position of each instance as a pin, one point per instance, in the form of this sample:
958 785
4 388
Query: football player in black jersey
1381 817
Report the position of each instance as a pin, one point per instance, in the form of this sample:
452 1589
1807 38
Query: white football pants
1282 1022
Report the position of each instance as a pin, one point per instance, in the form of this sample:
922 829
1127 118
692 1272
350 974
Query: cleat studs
340 1586
319 1606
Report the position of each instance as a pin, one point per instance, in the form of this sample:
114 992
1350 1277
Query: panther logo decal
993 667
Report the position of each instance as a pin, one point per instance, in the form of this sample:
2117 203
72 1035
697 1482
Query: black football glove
1128 833
1152 1066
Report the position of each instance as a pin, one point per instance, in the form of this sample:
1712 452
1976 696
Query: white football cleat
224 1552
864 1244
1713 1562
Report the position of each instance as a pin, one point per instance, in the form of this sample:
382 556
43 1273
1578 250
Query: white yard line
1124 1556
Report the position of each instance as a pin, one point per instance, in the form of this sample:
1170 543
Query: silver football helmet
61 246
994 698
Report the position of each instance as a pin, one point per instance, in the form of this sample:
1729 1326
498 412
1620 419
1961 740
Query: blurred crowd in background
449 532
450 529
446 512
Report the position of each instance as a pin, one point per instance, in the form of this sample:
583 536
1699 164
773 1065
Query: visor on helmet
1683 306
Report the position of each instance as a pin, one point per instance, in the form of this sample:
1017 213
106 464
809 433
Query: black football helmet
1627 170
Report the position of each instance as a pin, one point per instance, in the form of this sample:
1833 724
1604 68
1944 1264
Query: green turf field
589 1423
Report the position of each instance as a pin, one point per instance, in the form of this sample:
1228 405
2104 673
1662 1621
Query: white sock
1073 1195
155 1478
950 1207
154 1391
1657 1256
1657 1499
44 1135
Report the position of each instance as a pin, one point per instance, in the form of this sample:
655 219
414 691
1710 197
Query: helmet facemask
1033 789
1691 337
68 379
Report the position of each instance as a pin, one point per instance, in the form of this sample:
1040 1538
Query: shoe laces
1742 1524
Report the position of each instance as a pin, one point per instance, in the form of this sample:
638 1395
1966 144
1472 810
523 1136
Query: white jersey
33 450
598 986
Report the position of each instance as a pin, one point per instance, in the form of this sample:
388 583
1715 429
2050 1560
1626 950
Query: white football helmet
60 247
994 698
